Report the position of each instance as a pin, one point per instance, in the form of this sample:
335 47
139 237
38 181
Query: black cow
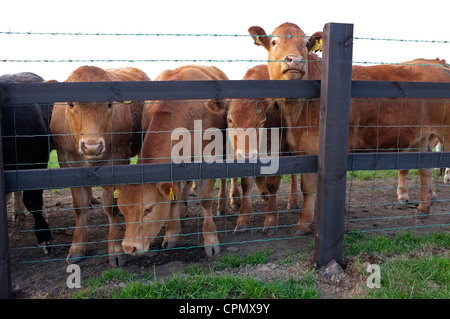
26 145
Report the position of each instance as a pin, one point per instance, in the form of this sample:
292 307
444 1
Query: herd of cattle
100 133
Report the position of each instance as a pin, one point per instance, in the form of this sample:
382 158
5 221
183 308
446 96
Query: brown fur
375 124
75 125
258 113
134 200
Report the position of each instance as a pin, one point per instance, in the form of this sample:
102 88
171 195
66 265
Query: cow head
315 42
146 209
249 115
244 119
287 51
90 123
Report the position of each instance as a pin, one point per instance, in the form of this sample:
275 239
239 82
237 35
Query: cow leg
447 176
308 187
271 216
245 211
19 207
92 200
402 190
34 203
116 254
222 198
184 194
426 194
173 226
193 189
77 250
210 238
235 196
293 201
262 187
177 211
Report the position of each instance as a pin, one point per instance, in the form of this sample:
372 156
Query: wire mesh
372 205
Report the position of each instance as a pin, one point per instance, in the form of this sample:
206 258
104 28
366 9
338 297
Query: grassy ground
411 267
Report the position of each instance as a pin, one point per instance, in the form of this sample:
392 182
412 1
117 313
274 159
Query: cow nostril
129 249
92 147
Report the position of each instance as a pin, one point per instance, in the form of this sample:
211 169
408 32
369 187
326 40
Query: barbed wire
139 34
142 34
402 40
198 61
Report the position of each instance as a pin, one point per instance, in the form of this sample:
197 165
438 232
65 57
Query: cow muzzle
293 67
135 247
92 148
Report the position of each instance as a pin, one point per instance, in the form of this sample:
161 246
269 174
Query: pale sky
408 20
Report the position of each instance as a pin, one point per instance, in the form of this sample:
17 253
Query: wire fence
166 46
371 203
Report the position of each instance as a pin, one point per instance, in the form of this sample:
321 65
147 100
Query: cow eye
274 43
110 104
71 105
148 210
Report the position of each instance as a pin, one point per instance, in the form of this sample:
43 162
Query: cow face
287 51
250 116
146 209
91 125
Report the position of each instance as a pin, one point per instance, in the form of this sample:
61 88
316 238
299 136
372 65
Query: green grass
411 266
217 287
384 174
200 283
355 243
53 160
234 260
414 278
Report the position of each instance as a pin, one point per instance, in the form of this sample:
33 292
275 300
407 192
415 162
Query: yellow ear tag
317 46
258 41
116 193
127 102
172 196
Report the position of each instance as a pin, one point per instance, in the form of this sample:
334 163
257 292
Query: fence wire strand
228 221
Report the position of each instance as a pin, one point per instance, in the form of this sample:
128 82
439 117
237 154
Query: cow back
25 129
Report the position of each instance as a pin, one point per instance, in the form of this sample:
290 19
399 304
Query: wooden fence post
333 142
5 270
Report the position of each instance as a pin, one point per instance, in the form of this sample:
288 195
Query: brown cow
383 73
375 124
148 207
85 134
257 113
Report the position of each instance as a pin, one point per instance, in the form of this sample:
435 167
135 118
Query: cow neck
156 146
298 112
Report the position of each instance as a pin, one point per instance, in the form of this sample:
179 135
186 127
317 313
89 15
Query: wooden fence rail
335 90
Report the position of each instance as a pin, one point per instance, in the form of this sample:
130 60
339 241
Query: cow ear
168 190
259 36
315 42
217 105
